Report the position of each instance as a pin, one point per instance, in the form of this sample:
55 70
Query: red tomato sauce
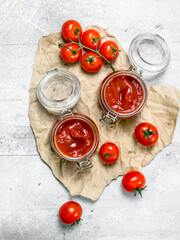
74 138
124 94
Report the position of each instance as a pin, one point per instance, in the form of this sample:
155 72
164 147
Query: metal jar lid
59 91
149 52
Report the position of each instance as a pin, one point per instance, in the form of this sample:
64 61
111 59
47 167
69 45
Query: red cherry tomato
109 152
71 29
70 212
134 181
91 62
109 50
146 134
71 53
88 39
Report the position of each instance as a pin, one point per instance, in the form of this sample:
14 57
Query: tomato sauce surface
74 138
124 94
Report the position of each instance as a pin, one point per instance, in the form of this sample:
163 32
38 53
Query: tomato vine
96 51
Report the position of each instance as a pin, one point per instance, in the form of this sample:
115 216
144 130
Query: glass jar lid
59 90
149 52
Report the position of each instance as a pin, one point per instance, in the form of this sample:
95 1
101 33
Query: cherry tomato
71 53
134 181
109 152
91 62
109 50
90 37
70 212
146 134
71 29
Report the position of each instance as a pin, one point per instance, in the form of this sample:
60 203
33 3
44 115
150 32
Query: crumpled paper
161 110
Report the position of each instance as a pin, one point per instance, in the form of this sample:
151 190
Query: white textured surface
30 196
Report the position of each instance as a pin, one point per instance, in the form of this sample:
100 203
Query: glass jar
83 161
58 92
110 116
148 53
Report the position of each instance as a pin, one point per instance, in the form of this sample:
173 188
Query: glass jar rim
82 117
153 41
53 100
65 103
102 93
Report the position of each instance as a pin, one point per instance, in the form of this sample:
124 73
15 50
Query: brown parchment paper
161 110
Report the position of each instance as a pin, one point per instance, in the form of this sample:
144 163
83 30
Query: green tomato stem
148 133
107 155
139 190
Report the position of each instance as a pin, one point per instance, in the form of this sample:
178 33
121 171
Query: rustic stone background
29 203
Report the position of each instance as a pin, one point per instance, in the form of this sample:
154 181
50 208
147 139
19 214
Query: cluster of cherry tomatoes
90 40
91 61
133 181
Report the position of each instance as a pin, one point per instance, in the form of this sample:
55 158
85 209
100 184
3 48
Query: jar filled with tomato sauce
74 137
123 94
